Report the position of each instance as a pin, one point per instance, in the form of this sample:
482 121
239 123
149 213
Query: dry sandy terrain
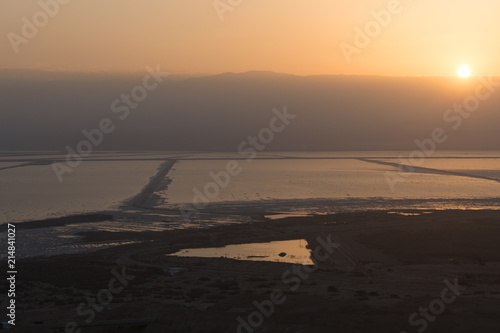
388 267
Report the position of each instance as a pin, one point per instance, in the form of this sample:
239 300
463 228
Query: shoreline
259 209
62 221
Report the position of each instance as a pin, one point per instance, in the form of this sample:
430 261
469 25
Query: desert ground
385 269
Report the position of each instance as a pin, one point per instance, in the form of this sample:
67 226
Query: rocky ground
434 271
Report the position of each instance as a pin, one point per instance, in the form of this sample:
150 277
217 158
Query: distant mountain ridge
218 112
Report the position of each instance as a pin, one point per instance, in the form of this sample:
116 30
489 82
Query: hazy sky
427 37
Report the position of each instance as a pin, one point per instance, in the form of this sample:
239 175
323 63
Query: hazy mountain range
48 111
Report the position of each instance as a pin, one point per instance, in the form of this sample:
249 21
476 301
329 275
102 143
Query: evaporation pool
290 251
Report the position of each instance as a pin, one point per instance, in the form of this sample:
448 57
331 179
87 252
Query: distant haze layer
49 111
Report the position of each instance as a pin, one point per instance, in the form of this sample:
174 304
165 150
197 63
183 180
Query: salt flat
34 192
335 176
110 180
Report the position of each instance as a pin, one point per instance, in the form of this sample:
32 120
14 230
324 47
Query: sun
464 71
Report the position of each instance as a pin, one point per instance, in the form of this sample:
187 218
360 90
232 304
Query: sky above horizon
414 37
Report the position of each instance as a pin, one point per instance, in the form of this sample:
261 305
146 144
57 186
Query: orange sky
426 37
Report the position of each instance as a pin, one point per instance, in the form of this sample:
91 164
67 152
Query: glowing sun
464 71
